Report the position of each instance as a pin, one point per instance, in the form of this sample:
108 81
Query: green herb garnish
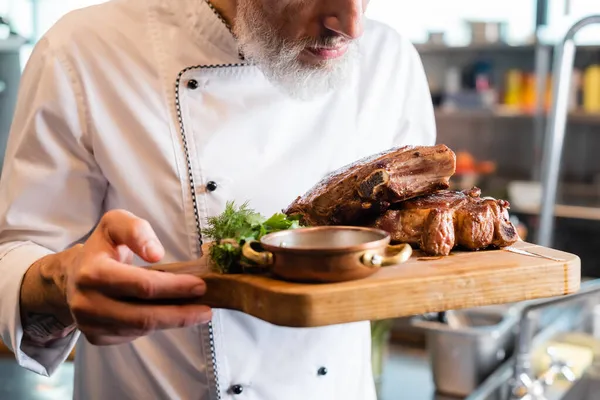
234 227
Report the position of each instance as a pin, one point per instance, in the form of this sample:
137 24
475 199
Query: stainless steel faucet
555 134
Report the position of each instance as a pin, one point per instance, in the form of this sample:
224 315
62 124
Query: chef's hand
114 302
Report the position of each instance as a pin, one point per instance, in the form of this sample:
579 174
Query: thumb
122 228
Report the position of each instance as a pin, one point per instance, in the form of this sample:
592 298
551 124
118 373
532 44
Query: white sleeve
418 126
51 191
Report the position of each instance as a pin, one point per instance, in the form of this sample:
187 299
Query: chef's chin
316 77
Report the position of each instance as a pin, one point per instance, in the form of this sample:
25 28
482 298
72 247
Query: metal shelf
574 117
500 48
564 211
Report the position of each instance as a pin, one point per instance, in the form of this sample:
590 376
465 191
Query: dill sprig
232 222
233 227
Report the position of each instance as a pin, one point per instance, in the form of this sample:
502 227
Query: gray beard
262 45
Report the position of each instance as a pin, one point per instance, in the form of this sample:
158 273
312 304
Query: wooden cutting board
422 284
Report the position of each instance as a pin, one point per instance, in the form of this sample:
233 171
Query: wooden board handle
197 267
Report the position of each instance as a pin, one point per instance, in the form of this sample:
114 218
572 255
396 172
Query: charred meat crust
404 191
367 187
439 222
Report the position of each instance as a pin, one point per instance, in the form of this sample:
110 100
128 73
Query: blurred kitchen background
489 65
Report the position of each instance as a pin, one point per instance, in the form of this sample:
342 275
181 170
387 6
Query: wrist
45 313
43 292
52 274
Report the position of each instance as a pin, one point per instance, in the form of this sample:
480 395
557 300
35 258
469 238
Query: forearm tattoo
44 329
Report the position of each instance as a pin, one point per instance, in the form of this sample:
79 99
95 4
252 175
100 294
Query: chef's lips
328 49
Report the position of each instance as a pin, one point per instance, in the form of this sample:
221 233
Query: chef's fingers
120 231
125 281
97 315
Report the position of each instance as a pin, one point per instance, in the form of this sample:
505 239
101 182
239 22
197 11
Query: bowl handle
400 253
264 258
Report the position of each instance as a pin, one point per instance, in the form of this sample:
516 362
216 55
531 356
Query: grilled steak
439 222
366 188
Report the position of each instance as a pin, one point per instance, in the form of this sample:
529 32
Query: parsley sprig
236 225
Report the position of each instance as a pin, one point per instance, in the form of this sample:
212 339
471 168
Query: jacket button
211 186
322 371
237 389
192 84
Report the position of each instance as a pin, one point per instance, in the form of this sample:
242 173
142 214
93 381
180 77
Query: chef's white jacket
139 104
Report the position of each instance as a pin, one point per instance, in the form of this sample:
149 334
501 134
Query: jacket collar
202 22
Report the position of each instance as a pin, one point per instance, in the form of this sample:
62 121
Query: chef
139 119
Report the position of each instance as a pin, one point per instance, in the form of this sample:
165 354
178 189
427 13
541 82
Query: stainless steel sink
575 313
485 354
498 387
464 353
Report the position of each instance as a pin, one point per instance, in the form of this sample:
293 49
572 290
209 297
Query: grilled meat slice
367 188
442 221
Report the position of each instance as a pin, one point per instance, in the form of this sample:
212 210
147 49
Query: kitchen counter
406 377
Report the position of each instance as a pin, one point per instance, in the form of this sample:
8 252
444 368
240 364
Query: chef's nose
345 17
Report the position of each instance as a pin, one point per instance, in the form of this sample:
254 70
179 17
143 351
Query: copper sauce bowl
326 253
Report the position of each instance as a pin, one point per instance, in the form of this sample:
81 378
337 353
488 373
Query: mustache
328 42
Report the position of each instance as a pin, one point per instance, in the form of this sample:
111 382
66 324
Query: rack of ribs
366 188
404 191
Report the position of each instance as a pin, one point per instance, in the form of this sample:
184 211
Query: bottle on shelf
591 87
529 93
512 92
